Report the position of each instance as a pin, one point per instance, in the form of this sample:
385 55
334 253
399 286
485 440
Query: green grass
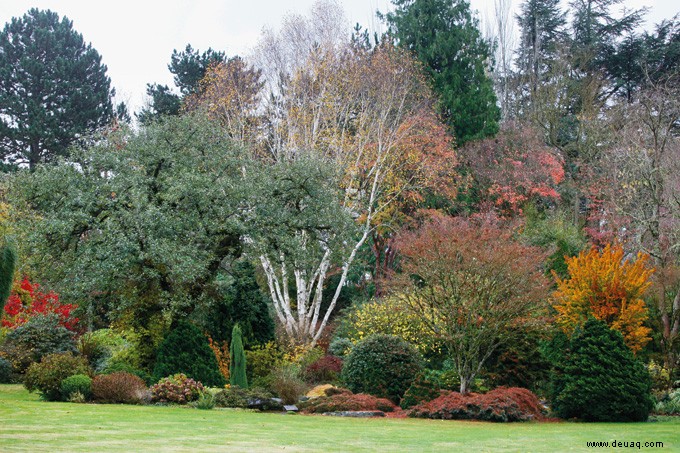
28 424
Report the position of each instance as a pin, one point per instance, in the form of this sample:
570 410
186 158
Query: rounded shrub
39 336
599 379
47 375
78 383
186 350
383 366
119 387
177 388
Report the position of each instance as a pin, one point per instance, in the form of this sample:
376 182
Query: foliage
599 379
604 285
381 365
347 402
78 383
340 347
287 384
237 359
221 352
47 375
27 301
118 387
261 360
118 367
41 335
503 404
8 259
670 405
53 88
445 38
177 388
5 371
472 284
422 390
326 369
103 348
235 396
205 401
186 350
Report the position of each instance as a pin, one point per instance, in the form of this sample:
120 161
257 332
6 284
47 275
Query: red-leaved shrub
499 405
120 387
326 369
347 402
27 301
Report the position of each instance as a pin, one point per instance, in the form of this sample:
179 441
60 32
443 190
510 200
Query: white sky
136 38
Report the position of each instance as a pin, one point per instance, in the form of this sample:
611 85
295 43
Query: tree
8 259
53 88
470 283
444 37
237 359
601 284
598 379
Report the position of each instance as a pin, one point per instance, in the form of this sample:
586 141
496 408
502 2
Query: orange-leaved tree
603 285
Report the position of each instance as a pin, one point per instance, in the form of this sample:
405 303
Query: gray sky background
136 38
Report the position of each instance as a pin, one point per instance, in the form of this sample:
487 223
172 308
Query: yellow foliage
609 288
319 390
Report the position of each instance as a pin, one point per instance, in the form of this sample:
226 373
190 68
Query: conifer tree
237 362
8 258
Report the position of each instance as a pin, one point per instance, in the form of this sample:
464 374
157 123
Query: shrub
47 375
177 388
347 402
27 301
205 401
286 382
42 334
382 365
326 369
599 379
78 383
255 398
5 371
422 390
669 405
260 361
237 359
186 350
117 367
119 387
499 405
100 347
340 347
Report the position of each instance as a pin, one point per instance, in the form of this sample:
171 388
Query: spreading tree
53 88
444 36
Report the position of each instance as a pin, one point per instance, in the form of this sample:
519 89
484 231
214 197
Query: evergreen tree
186 350
237 362
53 88
8 258
445 37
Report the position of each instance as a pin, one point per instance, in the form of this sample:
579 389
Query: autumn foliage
603 285
27 301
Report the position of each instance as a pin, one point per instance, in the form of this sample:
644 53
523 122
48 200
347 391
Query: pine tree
445 38
237 362
53 88
8 258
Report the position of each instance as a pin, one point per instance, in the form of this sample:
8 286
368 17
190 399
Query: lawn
28 424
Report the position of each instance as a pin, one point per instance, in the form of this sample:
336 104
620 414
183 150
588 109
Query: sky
136 37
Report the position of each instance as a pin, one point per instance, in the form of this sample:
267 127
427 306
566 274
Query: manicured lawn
28 424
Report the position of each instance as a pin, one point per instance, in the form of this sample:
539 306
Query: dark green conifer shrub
186 350
8 259
237 362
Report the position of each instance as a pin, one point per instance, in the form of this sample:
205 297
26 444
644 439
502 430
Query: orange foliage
222 355
603 285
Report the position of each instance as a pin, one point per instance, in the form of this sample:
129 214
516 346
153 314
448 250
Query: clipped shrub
286 382
78 383
260 361
186 350
237 359
177 388
340 347
47 375
382 365
499 405
254 398
422 390
325 369
347 402
599 379
5 371
119 387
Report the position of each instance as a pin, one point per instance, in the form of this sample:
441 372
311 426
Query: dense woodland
428 209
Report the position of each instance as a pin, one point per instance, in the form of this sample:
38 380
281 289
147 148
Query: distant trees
53 88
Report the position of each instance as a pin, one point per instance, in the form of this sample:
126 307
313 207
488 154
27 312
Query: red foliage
347 402
326 369
28 301
120 387
499 405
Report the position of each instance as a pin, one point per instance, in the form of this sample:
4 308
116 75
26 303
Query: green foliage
39 336
244 303
5 371
46 376
178 388
237 359
445 38
383 366
260 361
340 347
78 383
669 405
119 387
53 88
599 379
103 347
236 396
8 259
186 350
205 401
423 389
